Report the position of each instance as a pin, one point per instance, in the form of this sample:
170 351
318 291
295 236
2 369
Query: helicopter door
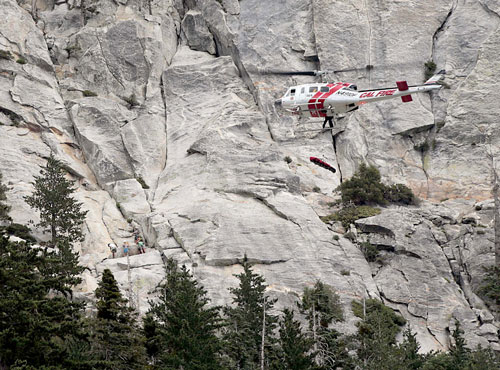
301 95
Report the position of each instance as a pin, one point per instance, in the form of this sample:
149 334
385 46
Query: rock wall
156 111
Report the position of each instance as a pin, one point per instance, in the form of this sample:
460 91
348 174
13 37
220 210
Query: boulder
197 33
131 199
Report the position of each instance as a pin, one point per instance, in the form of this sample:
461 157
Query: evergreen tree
295 347
180 328
376 335
483 359
110 303
245 321
460 357
4 208
407 356
78 351
321 306
439 361
458 351
490 287
115 338
37 316
153 338
59 211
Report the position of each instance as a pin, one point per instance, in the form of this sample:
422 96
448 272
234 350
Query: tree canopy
246 319
365 188
295 347
34 325
60 213
4 208
114 336
321 307
180 328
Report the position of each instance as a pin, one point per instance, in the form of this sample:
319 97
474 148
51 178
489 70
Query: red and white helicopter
330 99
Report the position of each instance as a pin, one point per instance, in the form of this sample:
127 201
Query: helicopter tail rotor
436 78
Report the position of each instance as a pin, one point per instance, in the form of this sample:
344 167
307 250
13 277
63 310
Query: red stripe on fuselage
312 104
316 103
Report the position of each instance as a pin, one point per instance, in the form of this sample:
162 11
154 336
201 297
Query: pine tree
110 303
245 321
321 306
439 361
407 354
458 351
60 213
483 359
180 328
153 338
490 287
460 357
115 338
4 208
37 316
376 335
295 348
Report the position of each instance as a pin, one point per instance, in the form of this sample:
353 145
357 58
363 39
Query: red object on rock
323 164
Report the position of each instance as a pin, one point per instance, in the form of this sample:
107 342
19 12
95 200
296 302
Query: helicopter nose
277 103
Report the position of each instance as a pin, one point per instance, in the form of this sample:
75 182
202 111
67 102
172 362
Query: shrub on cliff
350 214
365 187
371 252
399 193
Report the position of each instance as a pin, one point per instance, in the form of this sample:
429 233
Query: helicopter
329 100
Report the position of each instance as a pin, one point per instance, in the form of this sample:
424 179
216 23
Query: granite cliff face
155 110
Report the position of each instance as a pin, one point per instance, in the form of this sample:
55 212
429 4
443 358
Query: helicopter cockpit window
352 87
324 89
302 90
292 92
313 89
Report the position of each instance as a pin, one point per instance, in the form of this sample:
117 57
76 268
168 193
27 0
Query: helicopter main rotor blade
309 73
287 73
367 68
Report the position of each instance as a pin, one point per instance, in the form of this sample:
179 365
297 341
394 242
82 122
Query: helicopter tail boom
403 86
368 96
